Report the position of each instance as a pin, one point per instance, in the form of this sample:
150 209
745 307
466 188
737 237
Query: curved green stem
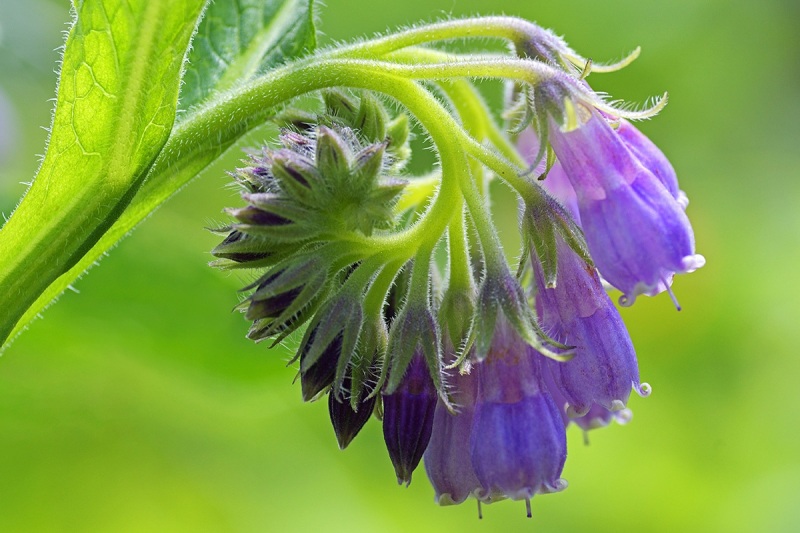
376 296
375 72
512 29
419 288
210 130
460 270
468 102
490 243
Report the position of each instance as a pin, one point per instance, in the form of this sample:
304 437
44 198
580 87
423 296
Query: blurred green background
139 406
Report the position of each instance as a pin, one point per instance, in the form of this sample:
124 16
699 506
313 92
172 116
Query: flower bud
456 313
502 300
338 323
238 247
414 332
279 295
408 417
346 419
318 375
371 119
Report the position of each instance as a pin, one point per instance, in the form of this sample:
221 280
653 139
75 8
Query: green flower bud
342 317
414 329
371 120
339 107
398 135
241 248
281 296
543 219
456 314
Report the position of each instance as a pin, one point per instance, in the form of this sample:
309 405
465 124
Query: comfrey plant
476 365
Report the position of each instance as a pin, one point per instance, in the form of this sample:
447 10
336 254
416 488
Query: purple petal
519 449
447 459
638 234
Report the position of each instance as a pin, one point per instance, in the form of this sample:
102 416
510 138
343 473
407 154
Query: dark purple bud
346 421
283 291
319 376
238 247
253 216
408 418
273 306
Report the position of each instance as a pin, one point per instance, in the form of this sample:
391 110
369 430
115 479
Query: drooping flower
539 349
596 417
518 441
578 312
637 232
447 459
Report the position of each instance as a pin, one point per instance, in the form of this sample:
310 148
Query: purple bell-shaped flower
518 442
637 232
447 459
578 312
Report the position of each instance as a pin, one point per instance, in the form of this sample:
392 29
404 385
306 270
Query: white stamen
672 295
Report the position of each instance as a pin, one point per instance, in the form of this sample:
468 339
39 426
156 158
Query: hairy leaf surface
241 38
200 137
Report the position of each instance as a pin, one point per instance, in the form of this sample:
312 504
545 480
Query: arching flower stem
508 28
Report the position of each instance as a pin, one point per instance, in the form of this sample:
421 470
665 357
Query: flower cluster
476 368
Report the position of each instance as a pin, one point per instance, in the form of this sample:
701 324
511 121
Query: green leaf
201 137
239 39
115 108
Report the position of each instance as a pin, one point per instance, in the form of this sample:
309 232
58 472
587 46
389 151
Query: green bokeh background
139 406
